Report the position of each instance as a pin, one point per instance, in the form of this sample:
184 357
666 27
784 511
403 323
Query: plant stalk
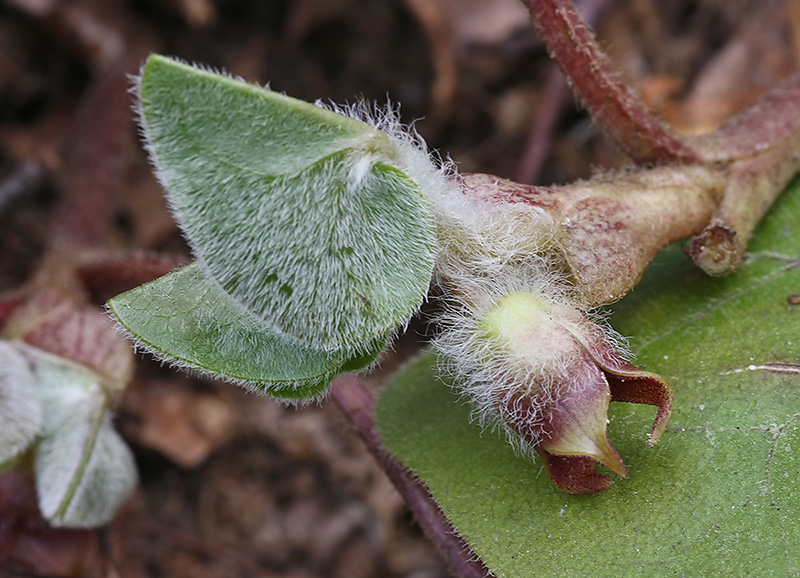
358 406
619 112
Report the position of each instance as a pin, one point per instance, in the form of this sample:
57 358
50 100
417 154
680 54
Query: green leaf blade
191 321
231 122
297 212
719 494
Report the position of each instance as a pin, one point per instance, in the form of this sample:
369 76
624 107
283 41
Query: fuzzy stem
761 146
613 106
609 228
764 143
775 117
753 186
358 407
556 94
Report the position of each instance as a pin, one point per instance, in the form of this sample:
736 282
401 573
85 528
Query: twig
445 86
358 407
613 106
537 149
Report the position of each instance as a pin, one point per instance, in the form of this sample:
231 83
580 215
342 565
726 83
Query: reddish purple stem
556 95
775 117
358 407
613 106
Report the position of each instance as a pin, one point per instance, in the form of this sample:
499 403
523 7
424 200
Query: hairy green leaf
302 215
189 320
718 496
84 470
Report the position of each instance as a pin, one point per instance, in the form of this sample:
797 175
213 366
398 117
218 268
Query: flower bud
544 373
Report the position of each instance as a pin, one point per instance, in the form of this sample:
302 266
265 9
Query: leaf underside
84 470
297 212
185 318
20 409
720 493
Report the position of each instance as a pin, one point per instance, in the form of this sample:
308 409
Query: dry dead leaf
173 418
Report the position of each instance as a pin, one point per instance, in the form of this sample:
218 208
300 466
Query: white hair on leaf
20 407
485 251
434 175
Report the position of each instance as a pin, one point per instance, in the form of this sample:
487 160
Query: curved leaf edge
289 390
398 148
154 61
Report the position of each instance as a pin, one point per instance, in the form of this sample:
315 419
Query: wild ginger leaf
189 320
719 494
301 214
84 470
20 409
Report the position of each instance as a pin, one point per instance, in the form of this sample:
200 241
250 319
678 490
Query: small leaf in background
719 495
84 470
20 410
56 324
304 216
187 318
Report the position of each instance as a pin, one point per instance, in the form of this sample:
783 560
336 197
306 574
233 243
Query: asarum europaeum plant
317 231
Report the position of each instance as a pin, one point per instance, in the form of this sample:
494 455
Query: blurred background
233 484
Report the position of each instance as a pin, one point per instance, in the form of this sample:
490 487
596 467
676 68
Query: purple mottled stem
358 407
775 117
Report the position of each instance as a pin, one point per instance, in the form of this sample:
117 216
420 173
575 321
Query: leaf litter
233 484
